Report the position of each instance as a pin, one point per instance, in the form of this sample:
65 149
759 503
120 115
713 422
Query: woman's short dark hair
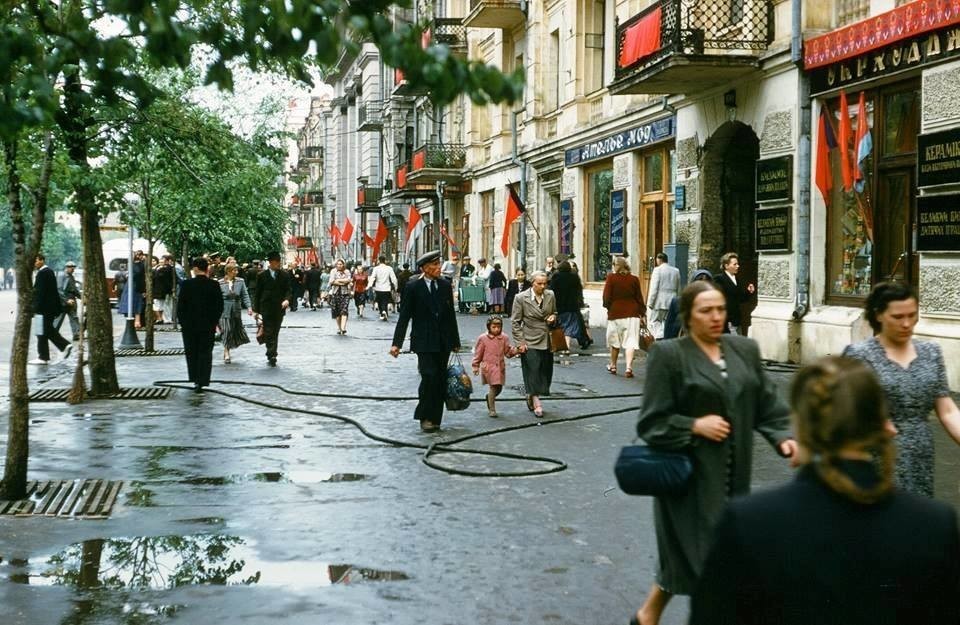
839 406
565 266
689 294
880 297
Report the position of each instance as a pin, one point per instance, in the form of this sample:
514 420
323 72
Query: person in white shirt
664 286
384 282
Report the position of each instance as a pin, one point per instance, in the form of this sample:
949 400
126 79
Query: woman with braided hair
914 380
839 544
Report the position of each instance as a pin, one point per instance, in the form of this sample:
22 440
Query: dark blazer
434 324
802 554
200 305
568 290
735 294
46 295
270 293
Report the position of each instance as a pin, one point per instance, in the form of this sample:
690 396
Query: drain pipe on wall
523 195
802 302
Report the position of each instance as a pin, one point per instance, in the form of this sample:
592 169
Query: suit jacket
664 286
530 321
682 384
46 295
68 286
434 323
270 293
804 554
200 305
241 301
735 294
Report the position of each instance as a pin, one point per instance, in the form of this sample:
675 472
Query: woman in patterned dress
236 298
914 379
341 291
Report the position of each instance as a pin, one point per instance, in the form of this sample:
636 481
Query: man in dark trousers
46 302
428 303
198 309
312 280
271 302
69 296
735 293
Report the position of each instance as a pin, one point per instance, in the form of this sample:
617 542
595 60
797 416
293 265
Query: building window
599 186
850 11
593 39
486 225
871 223
551 74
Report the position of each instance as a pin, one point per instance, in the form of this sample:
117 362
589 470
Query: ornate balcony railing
439 156
448 31
368 198
313 153
370 116
705 33
311 199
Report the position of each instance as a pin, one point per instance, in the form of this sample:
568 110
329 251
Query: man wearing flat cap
427 302
69 296
271 302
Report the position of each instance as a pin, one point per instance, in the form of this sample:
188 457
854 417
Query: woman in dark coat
704 394
514 286
839 544
568 289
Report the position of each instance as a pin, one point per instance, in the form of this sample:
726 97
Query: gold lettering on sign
953 40
845 74
933 45
831 76
913 56
896 55
878 64
861 67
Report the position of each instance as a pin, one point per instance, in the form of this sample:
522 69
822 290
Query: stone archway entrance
729 204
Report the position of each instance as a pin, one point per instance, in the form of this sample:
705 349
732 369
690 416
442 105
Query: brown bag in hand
558 341
646 338
261 335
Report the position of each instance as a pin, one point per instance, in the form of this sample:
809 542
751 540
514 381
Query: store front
886 199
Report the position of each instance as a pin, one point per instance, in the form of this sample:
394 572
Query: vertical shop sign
566 227
618 217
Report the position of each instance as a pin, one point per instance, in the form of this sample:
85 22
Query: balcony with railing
313 153
310 199
683 46
402 86
370 116
503 14
437 162
368 198
447 31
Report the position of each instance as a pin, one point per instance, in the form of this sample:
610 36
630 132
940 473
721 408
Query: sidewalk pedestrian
839 544
69 296
497 289
296 284
516 285
704 394
664 286
568 290
489 362
427 303
384 283
625 313
164 281
360 283
341 290
9 278
199 309
534 311
735 293
236 298
273 300
47 304
312 281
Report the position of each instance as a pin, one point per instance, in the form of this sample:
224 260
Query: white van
116 253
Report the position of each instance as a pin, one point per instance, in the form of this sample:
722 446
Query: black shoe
197 388
272 362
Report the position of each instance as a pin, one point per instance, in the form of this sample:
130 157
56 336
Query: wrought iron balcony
310 199
437 162
370 116
402 86
368 198
313 153
503 14
682 46
448 31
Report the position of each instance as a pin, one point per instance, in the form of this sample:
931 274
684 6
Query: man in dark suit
272 300
736 294
428 303
46 302
199 308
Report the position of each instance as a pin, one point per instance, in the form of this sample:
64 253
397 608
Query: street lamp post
129 338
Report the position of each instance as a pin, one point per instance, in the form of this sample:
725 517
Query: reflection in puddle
287 477
163 562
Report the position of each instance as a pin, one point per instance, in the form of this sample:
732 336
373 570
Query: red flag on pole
515 208
826 141
379 238
453 244
346 235
864 144
368 240
414 228
334 235
847 164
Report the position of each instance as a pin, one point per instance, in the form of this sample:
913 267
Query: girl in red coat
488 360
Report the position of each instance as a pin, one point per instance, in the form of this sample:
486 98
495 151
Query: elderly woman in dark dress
704 394
534 311
914 378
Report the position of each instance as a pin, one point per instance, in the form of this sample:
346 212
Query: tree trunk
103 370
148 306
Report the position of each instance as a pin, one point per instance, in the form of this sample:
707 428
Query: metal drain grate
135 351
74 499
134 392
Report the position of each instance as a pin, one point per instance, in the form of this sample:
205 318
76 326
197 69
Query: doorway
651 240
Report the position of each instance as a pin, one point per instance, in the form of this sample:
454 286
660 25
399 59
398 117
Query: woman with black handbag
534 311
704 394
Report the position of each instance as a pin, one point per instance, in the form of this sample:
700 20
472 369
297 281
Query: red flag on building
346 235
334 235
641 39
826 141
453 244
515 208
368 240
414 228
379 238
847 164
864 144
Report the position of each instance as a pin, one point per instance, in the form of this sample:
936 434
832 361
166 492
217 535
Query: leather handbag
261 335
558 340
646 338
643 470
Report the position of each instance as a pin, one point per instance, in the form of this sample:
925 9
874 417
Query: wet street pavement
259 507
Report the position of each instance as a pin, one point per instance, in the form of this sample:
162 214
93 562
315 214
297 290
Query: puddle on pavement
284 477
165 562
